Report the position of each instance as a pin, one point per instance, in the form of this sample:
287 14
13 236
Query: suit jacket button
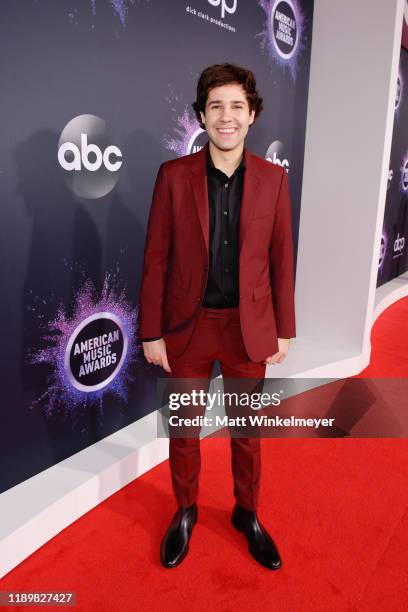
205 268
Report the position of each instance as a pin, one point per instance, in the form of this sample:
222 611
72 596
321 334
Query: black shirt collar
210 163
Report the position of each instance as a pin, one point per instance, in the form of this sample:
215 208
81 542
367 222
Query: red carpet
336 508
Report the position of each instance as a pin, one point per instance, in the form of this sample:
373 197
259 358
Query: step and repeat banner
96 94
393 259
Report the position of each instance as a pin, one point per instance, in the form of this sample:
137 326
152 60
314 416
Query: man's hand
155 352
278 357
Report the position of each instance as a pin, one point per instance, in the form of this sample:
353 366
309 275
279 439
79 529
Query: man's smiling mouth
226 130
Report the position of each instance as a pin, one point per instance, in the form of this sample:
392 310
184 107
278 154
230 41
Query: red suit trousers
217 336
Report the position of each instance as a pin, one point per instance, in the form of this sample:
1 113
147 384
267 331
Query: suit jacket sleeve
281 262
156 259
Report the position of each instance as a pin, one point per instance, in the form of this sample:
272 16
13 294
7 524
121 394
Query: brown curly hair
221 74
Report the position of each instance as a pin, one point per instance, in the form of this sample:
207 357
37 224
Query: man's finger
166 364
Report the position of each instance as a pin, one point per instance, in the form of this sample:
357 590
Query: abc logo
399 243
83 154
224 6
275 154
90 162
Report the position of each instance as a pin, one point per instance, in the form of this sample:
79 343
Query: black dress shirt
224 198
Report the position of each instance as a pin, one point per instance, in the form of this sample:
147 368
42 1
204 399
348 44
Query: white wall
354 67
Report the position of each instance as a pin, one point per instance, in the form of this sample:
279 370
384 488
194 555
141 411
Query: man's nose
226 115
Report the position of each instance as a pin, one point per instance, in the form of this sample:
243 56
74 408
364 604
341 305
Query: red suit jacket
176 256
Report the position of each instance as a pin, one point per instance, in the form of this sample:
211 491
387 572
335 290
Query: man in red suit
218 284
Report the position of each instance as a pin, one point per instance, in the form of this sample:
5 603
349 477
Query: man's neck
227 161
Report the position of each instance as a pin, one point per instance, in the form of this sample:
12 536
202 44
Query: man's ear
252 117
202 117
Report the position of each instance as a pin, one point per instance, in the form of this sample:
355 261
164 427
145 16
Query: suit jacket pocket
262 290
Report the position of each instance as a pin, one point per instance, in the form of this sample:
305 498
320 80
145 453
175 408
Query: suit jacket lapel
200 191
249 195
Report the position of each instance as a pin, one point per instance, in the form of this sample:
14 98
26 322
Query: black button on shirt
224 197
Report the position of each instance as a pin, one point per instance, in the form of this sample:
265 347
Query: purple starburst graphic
120 8
185 133
286 44
57 334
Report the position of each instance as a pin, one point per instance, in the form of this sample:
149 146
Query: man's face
227 116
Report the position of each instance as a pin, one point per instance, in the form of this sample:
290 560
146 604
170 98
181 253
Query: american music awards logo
91 352
96 351
283 35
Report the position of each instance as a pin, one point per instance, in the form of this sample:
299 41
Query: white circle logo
284 28
89 161
96 351
404 176
276 154
197 141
